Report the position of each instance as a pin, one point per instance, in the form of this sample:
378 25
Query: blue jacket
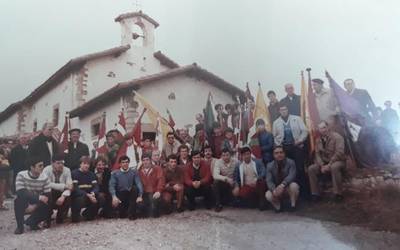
266 141
124 181
238 174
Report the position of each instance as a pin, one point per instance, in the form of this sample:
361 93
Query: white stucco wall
9 126
128 66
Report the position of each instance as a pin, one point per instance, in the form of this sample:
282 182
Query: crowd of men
148 182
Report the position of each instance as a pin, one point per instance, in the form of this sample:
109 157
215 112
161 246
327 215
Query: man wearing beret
76 149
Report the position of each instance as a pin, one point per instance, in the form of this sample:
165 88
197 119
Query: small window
56 114
35 125
95 127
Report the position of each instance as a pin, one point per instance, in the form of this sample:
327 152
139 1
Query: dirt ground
205 229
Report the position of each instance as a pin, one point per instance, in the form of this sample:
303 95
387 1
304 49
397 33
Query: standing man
61 187
19 156
273 106
33 194
291 101
173 184
171 147
363 98
326 102
153 181
85 192
390 120
223 179
291 133
76 149
44 145
281 176
198 181
249 177
126 189
329 158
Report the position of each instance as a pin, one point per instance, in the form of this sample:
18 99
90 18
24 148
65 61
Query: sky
266 41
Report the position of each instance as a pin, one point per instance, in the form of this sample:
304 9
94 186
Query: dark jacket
38 148
104 181
74 154
18 157
293 105
288 174
273 111
365 100
266 144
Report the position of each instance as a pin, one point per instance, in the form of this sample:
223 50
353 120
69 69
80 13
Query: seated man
329 158
198 181
249 177
61 186
126 189
103 175
152 178
281 176
33 193
173 184
85 192
223 178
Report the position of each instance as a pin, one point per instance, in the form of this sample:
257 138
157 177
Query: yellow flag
261 110
153 115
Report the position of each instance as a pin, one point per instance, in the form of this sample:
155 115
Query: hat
74 129
317 80
245 148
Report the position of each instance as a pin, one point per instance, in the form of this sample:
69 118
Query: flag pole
343 121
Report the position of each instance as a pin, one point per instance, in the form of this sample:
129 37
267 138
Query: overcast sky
269 41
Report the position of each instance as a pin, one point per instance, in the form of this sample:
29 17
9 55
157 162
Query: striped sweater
30 187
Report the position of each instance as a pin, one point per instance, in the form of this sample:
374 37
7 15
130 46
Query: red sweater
205 174
153 181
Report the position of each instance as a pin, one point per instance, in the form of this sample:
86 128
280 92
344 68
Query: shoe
4 208
315 198
192 207
19 230
180 209
338 198
277 211
34 227
47 225
132 217
218 208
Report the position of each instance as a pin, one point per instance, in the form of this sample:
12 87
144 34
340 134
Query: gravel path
201 229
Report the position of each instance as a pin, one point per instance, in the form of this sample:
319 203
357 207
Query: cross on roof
137 5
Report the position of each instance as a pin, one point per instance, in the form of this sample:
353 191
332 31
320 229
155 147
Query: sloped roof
134 14
124 87
75 64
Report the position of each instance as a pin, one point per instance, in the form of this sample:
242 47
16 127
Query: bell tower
137 29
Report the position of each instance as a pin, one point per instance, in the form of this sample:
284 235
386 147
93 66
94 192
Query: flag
260 112
153 115
65 133
159 136
102 148
209 116
121 125
248 94
171 121
309 110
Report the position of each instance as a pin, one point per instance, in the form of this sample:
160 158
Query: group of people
147 181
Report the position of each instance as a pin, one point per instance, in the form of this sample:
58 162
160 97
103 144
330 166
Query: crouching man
281 176
85 192
33 194
249 177
329 159
223 179
198 181
126 189
173 184
152 178
61 186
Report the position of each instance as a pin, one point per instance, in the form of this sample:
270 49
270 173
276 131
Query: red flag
136 134
64 133
171 121
102 149
122 122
